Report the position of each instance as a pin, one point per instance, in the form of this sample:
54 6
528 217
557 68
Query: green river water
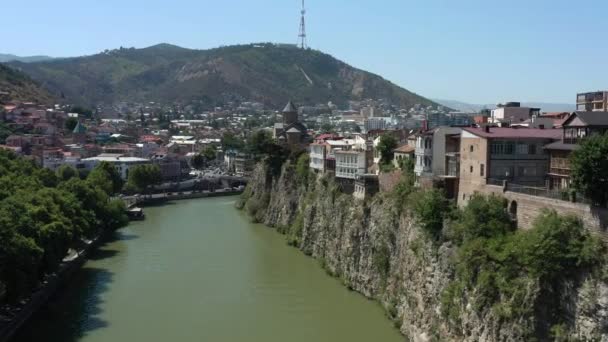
199 271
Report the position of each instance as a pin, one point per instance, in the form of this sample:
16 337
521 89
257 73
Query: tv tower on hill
302 35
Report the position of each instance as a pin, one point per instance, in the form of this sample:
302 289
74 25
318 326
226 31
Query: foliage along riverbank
443 273
43 215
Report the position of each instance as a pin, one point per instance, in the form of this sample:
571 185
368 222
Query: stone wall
388 181
528 208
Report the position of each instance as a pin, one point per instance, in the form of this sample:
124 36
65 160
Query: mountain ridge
4 58
264 72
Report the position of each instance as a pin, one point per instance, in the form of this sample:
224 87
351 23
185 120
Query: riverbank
13 317
178 196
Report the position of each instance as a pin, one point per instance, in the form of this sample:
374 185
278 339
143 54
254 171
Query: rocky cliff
379 250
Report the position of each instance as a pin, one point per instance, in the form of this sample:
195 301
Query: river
198 270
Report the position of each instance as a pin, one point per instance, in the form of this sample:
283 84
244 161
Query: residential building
351 163
445 156
576 127
492 155
318 153
366 186
513 112
424 155
170 166
401 153
243 164
596 101
372 124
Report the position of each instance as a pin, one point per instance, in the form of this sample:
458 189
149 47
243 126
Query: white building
424 154
122 164
512 112
350 164
317 156
79 164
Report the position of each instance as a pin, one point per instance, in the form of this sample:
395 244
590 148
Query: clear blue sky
480 51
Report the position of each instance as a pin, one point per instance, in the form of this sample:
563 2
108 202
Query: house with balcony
596 101
575 128
494 155
351 163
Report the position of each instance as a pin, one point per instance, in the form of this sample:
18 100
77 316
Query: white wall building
350 164
317 157
424 154
122 164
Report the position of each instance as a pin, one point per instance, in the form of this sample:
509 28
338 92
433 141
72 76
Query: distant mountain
269 73
30 59
15 85
544 106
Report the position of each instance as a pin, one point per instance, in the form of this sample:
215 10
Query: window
522 148
532 149
471 148
482 170
471 168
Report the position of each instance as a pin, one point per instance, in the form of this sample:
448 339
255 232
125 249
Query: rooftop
513 133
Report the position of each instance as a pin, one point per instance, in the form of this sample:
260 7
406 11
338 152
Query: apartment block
596 101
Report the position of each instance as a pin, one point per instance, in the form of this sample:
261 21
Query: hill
29 59
268 73
544 106
15 85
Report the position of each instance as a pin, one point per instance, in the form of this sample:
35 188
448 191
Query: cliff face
381 252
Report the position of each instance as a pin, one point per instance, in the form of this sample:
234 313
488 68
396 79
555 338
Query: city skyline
473 51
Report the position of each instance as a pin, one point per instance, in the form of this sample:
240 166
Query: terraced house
493 155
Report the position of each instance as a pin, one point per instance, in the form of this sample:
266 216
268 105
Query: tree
71 123
66 172
231 141
589 164
261 143
386 145
209 153
198 162
143 176
106 177
327 128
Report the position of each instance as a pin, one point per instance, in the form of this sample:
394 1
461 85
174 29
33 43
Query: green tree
430 209
328 128
71 123
231 141
66 172
106 177
261 143
141 177
589 166
209 153
385 147
198 162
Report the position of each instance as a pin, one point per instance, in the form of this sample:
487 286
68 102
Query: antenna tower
302 35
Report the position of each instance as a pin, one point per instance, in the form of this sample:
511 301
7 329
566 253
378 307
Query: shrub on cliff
430 208
498 266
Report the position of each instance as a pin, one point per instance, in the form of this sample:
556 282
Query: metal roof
590 118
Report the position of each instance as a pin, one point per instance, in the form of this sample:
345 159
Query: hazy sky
480 51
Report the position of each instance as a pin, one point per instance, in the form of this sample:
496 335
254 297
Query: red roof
507 132
405 149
